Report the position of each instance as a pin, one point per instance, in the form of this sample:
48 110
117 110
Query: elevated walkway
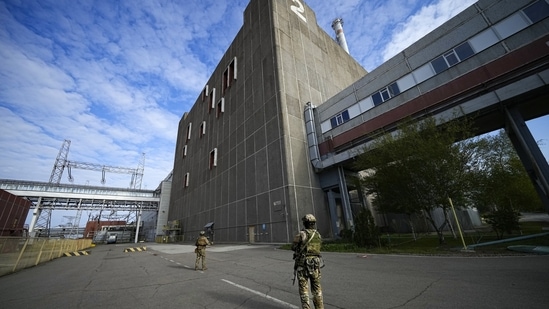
73 197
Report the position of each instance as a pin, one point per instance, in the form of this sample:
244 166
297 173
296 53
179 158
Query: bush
366 233
346 235
503 220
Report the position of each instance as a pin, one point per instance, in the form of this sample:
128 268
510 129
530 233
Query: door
251 234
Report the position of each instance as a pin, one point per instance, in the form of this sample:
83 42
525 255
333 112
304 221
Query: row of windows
207 95
229 77
212 164
505 28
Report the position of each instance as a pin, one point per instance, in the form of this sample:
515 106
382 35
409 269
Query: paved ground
259 276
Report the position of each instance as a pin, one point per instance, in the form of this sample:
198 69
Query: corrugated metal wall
13 213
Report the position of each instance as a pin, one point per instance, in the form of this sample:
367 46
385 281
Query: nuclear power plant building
241 159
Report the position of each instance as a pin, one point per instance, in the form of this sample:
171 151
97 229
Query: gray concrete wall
163 207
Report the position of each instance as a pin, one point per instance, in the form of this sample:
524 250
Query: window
537 11
393 89
340 119
204 93
189 127
186 180
385 94
202 129
464 51
211 102
184 151
452 57
439 64
220 107
229 76
376 97
213 158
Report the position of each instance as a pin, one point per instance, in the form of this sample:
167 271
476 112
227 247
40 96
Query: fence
17 253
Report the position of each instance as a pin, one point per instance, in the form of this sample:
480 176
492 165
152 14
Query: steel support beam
529 153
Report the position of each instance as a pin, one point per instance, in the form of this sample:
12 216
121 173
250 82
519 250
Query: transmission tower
44 214
61 162
76 222
137 177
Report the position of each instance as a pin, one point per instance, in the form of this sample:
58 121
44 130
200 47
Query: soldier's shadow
181 267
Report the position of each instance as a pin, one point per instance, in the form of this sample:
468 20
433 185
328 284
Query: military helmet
309 218
202 233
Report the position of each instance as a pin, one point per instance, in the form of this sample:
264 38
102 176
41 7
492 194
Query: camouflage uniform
201 243
306 246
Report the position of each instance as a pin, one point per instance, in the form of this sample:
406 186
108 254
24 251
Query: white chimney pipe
337 25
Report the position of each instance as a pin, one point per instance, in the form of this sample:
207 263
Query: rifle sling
308 241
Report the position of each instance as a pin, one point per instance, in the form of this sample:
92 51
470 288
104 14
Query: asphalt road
259 276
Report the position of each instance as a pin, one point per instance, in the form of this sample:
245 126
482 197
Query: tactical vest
201 241
313 247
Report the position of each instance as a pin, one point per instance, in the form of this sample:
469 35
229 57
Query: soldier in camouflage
306 247
201 243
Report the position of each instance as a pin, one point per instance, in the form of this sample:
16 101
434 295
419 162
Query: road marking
278 301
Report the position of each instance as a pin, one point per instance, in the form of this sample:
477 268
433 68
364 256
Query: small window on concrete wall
186 180
189 127
184 151
204 93
340 119
220 107
229 76
211 101
213 158
202 129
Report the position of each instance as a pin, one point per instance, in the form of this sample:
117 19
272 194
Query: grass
428 244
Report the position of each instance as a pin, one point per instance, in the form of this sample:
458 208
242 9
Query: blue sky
114 77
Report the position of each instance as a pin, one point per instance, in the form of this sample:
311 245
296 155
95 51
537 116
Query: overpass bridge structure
490 63
51 196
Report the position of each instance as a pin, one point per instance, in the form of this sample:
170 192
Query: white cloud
112 77
421 23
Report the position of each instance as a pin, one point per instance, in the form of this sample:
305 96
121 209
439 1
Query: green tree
416 169
501 180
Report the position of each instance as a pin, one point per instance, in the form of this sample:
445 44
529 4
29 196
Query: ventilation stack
337 25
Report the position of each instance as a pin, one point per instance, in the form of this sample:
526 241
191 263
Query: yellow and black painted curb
76 253
136 249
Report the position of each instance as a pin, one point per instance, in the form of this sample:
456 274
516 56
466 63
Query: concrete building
490 62
241 160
